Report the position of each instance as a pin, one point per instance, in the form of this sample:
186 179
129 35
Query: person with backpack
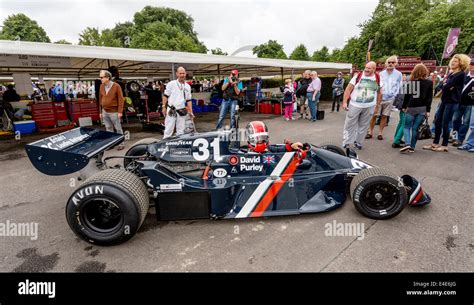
416 105
364 92
231 89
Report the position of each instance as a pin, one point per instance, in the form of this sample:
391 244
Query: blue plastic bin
24 127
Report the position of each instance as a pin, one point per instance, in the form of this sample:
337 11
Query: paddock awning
77 61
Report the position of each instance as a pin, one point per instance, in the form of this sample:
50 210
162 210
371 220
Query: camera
234 79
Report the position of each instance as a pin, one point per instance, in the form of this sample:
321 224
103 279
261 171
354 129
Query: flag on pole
367 57
451 42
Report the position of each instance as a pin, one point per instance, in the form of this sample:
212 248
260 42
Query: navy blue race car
210 175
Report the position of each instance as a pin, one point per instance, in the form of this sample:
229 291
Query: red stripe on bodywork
275 188
420 193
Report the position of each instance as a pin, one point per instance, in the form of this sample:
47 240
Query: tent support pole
172 71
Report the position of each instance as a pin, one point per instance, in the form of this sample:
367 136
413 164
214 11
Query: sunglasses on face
391 62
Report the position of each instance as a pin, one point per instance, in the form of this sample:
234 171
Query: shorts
386 108
302 101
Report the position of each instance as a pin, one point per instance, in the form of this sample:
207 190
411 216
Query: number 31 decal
203 152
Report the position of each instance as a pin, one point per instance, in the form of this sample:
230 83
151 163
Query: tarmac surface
435 238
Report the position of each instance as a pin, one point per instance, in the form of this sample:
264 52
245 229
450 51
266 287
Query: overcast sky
228 24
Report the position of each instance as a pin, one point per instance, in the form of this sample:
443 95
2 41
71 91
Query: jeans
435 116
313 104
470 138
336 100
225 106
461 121
400 127
412 121
445 116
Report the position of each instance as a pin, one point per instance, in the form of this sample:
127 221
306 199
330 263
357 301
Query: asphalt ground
435 238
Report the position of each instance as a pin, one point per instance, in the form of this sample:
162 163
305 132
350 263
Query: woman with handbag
416 105
450 98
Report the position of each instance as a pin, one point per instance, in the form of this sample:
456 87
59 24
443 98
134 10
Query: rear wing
70 151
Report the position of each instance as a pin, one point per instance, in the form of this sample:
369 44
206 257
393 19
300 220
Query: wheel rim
380 196
102 215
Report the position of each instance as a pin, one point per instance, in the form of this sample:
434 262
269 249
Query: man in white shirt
177 104
391 80
365 97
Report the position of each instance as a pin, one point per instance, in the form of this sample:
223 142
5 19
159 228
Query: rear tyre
138 149
108 208
333 148
378 194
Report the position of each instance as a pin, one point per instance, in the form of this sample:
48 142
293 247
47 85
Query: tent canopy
76 61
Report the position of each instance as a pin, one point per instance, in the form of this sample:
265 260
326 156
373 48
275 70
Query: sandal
368 136
379 137
430 146
440 148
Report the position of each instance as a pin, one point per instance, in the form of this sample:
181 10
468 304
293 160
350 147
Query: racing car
210 175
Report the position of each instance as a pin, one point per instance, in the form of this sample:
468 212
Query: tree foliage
62 41
21 27
218 51
321 55
270 49
300 53
407 27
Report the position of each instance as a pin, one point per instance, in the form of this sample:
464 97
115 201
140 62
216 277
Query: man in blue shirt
391 80
231 89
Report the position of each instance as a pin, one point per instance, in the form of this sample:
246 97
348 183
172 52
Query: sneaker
287 119
465 147
396 145
411 150
471 150
456 143
358 145
405 149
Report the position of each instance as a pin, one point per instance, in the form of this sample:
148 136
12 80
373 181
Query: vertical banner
367 57
451 42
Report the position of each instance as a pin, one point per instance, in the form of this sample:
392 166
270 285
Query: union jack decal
269 159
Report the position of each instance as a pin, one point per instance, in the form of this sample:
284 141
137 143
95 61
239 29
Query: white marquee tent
84 62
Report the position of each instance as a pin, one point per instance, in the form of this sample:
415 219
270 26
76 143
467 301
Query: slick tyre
108 208
333 148
138 149
378 194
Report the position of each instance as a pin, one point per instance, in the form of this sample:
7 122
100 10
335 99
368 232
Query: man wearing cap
231 90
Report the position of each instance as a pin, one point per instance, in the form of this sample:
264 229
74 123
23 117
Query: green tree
300 53
218 51
170 30
321 55
122 33
404 27
20 27
62 41
163 36
270 49
94 37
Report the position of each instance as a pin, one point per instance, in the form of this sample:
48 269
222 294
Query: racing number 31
203 152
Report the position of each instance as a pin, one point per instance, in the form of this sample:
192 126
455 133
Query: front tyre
108 208
378 194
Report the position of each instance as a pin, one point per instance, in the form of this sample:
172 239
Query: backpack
359 77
